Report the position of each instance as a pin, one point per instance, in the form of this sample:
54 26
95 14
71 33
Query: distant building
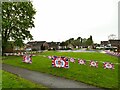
70 46
111 44
54 45
115 43
104 43
37 45
42 45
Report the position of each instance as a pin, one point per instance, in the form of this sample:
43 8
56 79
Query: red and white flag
60 62
93 63
108 65
80 61
27 59
72 60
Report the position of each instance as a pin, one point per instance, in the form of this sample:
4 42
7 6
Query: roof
115 40
104 42
36 42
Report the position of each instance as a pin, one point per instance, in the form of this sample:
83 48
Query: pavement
46 79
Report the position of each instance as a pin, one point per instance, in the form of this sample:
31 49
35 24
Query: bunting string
50 57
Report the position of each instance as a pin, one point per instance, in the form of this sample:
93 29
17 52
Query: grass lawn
105 78
12 81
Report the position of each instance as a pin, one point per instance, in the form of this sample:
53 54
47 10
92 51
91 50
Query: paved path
45 79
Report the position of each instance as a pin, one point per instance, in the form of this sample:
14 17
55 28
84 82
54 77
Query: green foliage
100 77
79 41
12 81
19 42
63 44
17 18
89 41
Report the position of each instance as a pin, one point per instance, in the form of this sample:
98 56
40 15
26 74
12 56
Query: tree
79 41
71 41
19 43
63 44
17 18
89 41
84 41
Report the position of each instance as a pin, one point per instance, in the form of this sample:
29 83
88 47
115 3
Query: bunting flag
53 57
60 62
93 63
49 57
80 61
72 60
27 59
113 53
108 65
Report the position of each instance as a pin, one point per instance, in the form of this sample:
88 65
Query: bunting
80 61
72 60
108 65
50 57
27 59
113 53
60 62
93 63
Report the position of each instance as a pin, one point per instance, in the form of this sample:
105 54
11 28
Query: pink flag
108 65
93 63
80 61
72 60
49 57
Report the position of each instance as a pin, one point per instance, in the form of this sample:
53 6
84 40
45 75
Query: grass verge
13 81
100 77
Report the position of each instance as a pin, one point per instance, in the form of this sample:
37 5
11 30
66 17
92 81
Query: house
37 45
104 43
62 45
70 46
53 45
111 44
115 43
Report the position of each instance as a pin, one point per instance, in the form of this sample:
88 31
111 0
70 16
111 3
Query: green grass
13 81
0 79
105 78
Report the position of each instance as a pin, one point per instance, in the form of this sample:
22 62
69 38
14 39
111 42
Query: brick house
37 45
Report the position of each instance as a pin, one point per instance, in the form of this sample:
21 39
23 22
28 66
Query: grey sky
59 20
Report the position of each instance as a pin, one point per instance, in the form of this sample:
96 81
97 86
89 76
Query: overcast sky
59 20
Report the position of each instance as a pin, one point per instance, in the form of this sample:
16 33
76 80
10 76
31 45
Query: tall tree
89 41
17 18
79 41
19 43
71 40
84 41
